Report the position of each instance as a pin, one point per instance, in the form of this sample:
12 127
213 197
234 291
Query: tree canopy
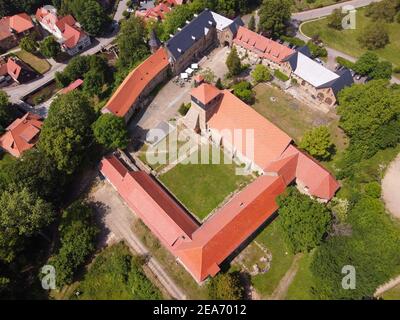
243 90
6 112
225 286
304 221
374 36
233 62
49 47
274 17
261 74
318 143
66 132
110 131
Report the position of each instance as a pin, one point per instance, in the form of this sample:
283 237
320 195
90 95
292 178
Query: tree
66 133
131 44
383 70
219 84
316 50
225 286
335 19
261 74
175 19
37 173
233 62
28 44
274 17
252 24
49 47
374 36
243 91
6 112
304 221
385 10
94 82
369 114
366 63
110 131
317 142
77 235
22 215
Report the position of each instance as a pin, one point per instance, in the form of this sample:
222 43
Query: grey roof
234 26
196 29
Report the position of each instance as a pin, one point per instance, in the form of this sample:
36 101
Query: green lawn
43 94
302 5
392 294
272 239
346 40
202 187
292 116
40 65
300 288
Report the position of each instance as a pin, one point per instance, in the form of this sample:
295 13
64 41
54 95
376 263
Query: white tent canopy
184 75
189 71
194 66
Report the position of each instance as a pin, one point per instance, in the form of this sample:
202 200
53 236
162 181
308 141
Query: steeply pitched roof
233 114
345 80
11 67
21 22
72 35
262 46
205 93
230 226
296 164
133 85
21 135
150 202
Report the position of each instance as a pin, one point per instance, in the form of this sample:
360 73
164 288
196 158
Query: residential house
317 83
65 29
21 135
18 71
133 93
13 28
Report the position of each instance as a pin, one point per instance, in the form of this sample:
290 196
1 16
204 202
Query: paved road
391 188
325 11
118 219
17 92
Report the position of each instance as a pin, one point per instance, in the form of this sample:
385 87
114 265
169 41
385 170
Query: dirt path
283 286
391 188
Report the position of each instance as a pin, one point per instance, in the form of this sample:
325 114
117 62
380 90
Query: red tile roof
229 227
262 46
21 135
21 22
72 35
158 12
161 213
46 17
11 67
137 80
72 86
205 93
67 20
233 114
307 171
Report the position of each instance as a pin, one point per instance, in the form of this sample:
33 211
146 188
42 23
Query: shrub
244 92
184 108
225 286
373 189
261 74
318 143
280 75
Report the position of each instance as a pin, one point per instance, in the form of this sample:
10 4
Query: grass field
392 294
300 288
272 239
346 40
40 65
294 117
202 187
302 5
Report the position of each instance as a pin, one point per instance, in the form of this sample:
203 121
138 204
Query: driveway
391 188
118 220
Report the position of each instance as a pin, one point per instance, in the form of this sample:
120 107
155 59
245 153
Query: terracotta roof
233 114
72 35
229 227
150 202
11 67
137 80
47 17
72 86
21 135
67 20
262 46
205 93
307 171
21 22
5 31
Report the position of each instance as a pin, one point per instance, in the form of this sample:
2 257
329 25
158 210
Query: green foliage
345 63
335 19
175 19
77 235
243 90
184 108
219 84
374 36
28 44
8 7
110 131
225 286
383 70
261 74
22 215
252 24
316 50
49 47
280 75
384 10
274 17
116 275
369 114
131 43
373 189
293 41
305 222
366 63
233 62
66 132
318 143
6 111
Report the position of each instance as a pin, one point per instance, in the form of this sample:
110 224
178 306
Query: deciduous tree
110 131
318 143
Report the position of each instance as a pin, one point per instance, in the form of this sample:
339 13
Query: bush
244 92
345 63
281 76
373 189
293 41
261 74
318 143
374 36
225 286
184 108
316 50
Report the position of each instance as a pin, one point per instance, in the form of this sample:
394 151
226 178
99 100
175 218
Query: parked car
318 60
